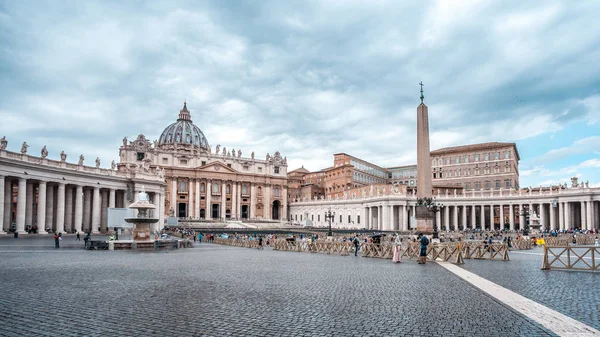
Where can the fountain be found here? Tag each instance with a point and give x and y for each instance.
(141, 224)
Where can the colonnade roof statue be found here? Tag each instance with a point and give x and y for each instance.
(184, 132)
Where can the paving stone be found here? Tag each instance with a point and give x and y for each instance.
(225, 291)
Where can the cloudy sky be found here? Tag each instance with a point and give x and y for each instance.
(307, 78)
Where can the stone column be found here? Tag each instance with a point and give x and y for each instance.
(104, 211)
(511, 214)
(447, 218)
(464, 217)
(482, 219)
(521, 218)
(111, 198)
(543, 224)
(561, 216)
(588, 208)
(21, 201)
(406, 218)
(41, 215)
(552, 218)
(223, 200)
(78, 223)
(239, 200)
(366, 217)
(583, 222)
(234, 200)
(161, 212)
(60, 208)
(96, 217)
(455, 218)
(567, 210)
(197, 196)
(501, 216)
(50, 207)
(268, 204)
(492, 217)
(156, 202)
(8, 191)
(191, 199)
(473, 217)
(2, 209)
(252, 201)
(87, 202)
(29, 204)
(174, 197)
(69, 209)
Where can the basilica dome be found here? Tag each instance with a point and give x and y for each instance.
(183, 132)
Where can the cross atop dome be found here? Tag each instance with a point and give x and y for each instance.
(184, 114)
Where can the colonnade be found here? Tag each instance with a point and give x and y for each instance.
(60, 206)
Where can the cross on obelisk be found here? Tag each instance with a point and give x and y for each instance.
(422, 97)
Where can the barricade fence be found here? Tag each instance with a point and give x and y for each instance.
(571, 258)
(454, 252)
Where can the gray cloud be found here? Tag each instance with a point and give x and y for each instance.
(308, 79)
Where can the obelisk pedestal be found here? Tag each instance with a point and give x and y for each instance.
(424, 217)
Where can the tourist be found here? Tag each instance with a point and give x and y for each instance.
(356, 243)
(260, 242)
(56, 241)
(78, 237)
(424, 243)
(397, 249)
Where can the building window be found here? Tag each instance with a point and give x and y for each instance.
(276, 191)
(228, 189)
(358, 219)
(215, 188)
(457, 160)
(486, 157)
(318, 217)
(466, 159)
(276, 169)
(349, 219)
(203, 162)
(165, 160)
(246, 167)
(507, 183)
(259, 190)
(140, 156)
(244, 189)
(498, 185)
(183, 161)
(182, 186)
(476, 157)
(497, 155)
(467, 186)
(506, 155)
(477, 186)
(340, 219)
(202, 187)
(312, 217)
(296, 216)
(228, 165)
(487, 186)
(447, 161)
(259, 169)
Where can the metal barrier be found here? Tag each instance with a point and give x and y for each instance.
(571, 258)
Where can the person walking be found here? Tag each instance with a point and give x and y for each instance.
(260, 242)
(424, 243)
(56, 241)
(356, 243)
(78, 238)
(397, 249)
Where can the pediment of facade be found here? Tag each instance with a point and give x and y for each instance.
(215, 167)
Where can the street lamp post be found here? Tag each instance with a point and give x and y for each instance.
(434, 207)
(329, 216)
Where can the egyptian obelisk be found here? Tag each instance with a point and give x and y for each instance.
(424, 217)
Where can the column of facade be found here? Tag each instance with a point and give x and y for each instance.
(223, 200)
(161, 210)
(405, 219)
(473, 217)
(588, 218)
(501, 216)
(447, 218)
(68, 209)
(7, 205)
(267, 202)
(104, 211)
(29, 204)
(239, 200)
(455, 218)
(21, 203)
(542, 210)
(552, 218)
(111, 198)
(191, 208)
(174, 197)
(492, 217)
(252, 201)
(208, 211)
(465, 222)
(50, 207)
(568, 223)
(96, 218)
(561, 216)
(583, 222)
(511, 214)
(2, 209)
(60, 208)
(521, 218)
(87, 202)
(156, 202)
(285, 204)
(197, 197)
(78, 222)
(366, 217)
(234, 200)
(482, 217)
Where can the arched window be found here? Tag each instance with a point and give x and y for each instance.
(215, 188)
(181, 186)
(228, 189)
(202, 187)
(276, 191)
(259, 190)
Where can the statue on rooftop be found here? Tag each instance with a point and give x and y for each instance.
(252, 155)
(24, 148)
(63, 156)
(81, 158)
(217, 148)
(3, 143)
(44, 152)
(125, 141)
(239, 153)
(224, 151)
(113, 165)
(97, 162)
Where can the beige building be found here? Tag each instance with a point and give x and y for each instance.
(207, 184)
(486, 166)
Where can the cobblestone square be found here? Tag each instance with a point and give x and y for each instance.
(215, 290)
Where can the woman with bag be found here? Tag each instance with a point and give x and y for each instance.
(397, 249)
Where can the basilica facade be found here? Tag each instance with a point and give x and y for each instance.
(209, 184)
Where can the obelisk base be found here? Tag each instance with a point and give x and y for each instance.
(425, 219)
